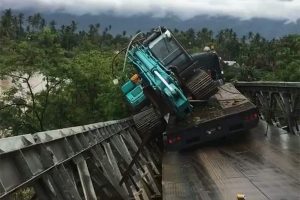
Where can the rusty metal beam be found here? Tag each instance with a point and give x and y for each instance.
(278, 102)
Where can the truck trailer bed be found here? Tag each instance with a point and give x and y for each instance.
(227, 101)
(254, 164)
(227, 112)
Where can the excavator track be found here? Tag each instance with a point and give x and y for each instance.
(148, 121)
(201, 85)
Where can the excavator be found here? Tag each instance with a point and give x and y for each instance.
(183, 93)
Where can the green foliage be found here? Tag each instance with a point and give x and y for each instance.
(90, 89)
(287, 72)
(22, 62)
(24, 194)
(75, 69)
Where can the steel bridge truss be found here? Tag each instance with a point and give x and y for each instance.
(89, 162)
(85, 162)
(278, 102)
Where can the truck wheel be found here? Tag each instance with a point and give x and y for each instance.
(201, 85)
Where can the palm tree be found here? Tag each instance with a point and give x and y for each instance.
(73, 26)
(20, 24)
(7, 24)
(52, 25)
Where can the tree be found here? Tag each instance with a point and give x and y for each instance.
(52, 25)
(8, 26)
(204, 38)
(24, 61)
(20, 30)
(91, 78)
(75, 69)
(228, 44)
(69, 37)
(89, 95)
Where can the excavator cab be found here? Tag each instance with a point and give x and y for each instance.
(192, 72)
(170, 52)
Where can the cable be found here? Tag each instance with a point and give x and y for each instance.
(124, 65)
(114, 58)
(113, 61)
(232, 99)
(198, 101)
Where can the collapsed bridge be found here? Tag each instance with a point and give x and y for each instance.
(91, 161)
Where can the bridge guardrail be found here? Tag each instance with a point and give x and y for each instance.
(84, 162)
(88, 162)
(278, 102)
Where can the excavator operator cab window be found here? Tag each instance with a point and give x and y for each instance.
(166, 49)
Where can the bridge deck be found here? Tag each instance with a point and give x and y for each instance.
(259, 166)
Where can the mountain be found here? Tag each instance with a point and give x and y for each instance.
(266, 27)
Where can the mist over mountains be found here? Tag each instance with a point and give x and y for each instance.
(266, 27)
(270, 18)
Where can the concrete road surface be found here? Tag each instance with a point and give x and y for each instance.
(258, 166)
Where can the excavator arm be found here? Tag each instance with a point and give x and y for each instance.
(154, 75)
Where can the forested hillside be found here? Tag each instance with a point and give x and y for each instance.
(266, 27)
(77, 72)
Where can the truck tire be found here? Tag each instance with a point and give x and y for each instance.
(201, 85)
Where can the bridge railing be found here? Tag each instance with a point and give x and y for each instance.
(88, 162)
(278, 102)
(84, 162)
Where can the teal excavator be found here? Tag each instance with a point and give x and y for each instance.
(185, 92)
(155, 82)
(181, 95)
(167, 76)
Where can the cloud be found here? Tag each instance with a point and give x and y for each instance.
(288, 10)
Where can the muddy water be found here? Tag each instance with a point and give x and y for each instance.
(36, 82)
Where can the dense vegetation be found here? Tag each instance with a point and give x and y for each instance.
(76, 69)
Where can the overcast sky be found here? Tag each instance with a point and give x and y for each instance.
(244, 9)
